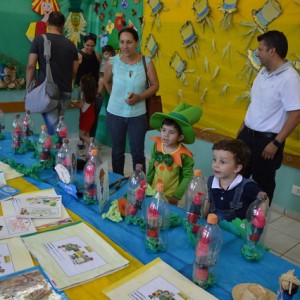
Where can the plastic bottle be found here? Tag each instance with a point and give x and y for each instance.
(27, 125)
(195, 196)
(44, 144)
(136, 193)
(89, 174)
(208, 246)
(157, 221)
(89, 148)
(65, 163)
(61, 132)
(256, 222)
(16, 133)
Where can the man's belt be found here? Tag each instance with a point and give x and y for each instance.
(267, 135)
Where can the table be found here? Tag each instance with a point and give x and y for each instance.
(231, 268)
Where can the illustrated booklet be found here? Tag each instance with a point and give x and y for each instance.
(9, 208)
(29, 284)
(156, 280)
(73, 254)
(14, 257)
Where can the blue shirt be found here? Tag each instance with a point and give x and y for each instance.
(127, 79)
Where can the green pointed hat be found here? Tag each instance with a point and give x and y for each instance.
(184, 115)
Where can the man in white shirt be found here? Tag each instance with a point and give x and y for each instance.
(274, 110)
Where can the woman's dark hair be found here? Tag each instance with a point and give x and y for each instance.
(171, 122)
(88, 87)
(275, 39)
(90, 36)
(129, 30)
(241, 152)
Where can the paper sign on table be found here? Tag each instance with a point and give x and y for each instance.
(156, 280)
(73, 254)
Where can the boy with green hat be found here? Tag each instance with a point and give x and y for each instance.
(171, 162)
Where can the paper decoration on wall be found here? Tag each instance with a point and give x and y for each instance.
(124, 4)
(228, 8)
(224, 89)
(202, 11)
(197, 84)
(206, 65)
(103, 39)
(110, 26)
(42, 7)
(296, 63)
(215, 74)
(96, 7)
(262, 18)
(203, 96)
(213, 46)
(156, 7)
(179, 65)
(130, 24)
(152, 46)
(120, 21)
(104, 5)
(75, 25)
(251, 67)
(189, 39)
(180, 96)
(226, 52)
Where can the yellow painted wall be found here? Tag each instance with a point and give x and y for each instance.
(223, 113)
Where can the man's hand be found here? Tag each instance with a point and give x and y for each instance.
(269, 151)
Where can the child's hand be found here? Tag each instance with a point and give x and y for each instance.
(173, 200)
(77, 103)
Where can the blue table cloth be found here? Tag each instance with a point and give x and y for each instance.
(231, 268)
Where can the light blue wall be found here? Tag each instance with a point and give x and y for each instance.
(283, 201)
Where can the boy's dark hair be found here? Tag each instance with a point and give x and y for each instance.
(56, 18)
(171, 122)
(108, 48)
(238, 148)
(275, 39)
(88, 87)
(129, 30)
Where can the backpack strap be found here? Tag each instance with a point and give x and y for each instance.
(235, 203)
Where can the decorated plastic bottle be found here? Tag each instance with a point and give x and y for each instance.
(256, 221)
(136, 193)
(89, 174)
(16, 133)
(195, 196)
(2, 122)
(44, 145)
(157, 221)
(65, 163)
(90, 147)
(61, 132)
(208, 246)
(27, 125)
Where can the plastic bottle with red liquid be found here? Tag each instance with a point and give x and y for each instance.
(61, 132)
(195, 196)
(89, 176)
(44, 145)
(27, 125)
(256, 223)
(208, 246)
(90, 147)
(157, 221)
(16, 134)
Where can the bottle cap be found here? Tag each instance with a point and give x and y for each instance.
(212, 219)
(43, 127)
(94, 152)
(61, 118)
(197, 172)
(159, 187)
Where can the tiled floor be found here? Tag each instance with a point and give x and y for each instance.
(282, 235)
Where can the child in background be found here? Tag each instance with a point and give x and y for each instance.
(107, 52)
(86, 103)
(229, 194)
(171, 162)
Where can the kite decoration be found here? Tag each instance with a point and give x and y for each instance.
(228, 8)
(202, 11)
(189, 39)
(262, 17)
(156, 8)
(179, 66)
(75, 25)
(152, 46)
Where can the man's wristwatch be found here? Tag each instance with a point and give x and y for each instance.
(276, 143)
